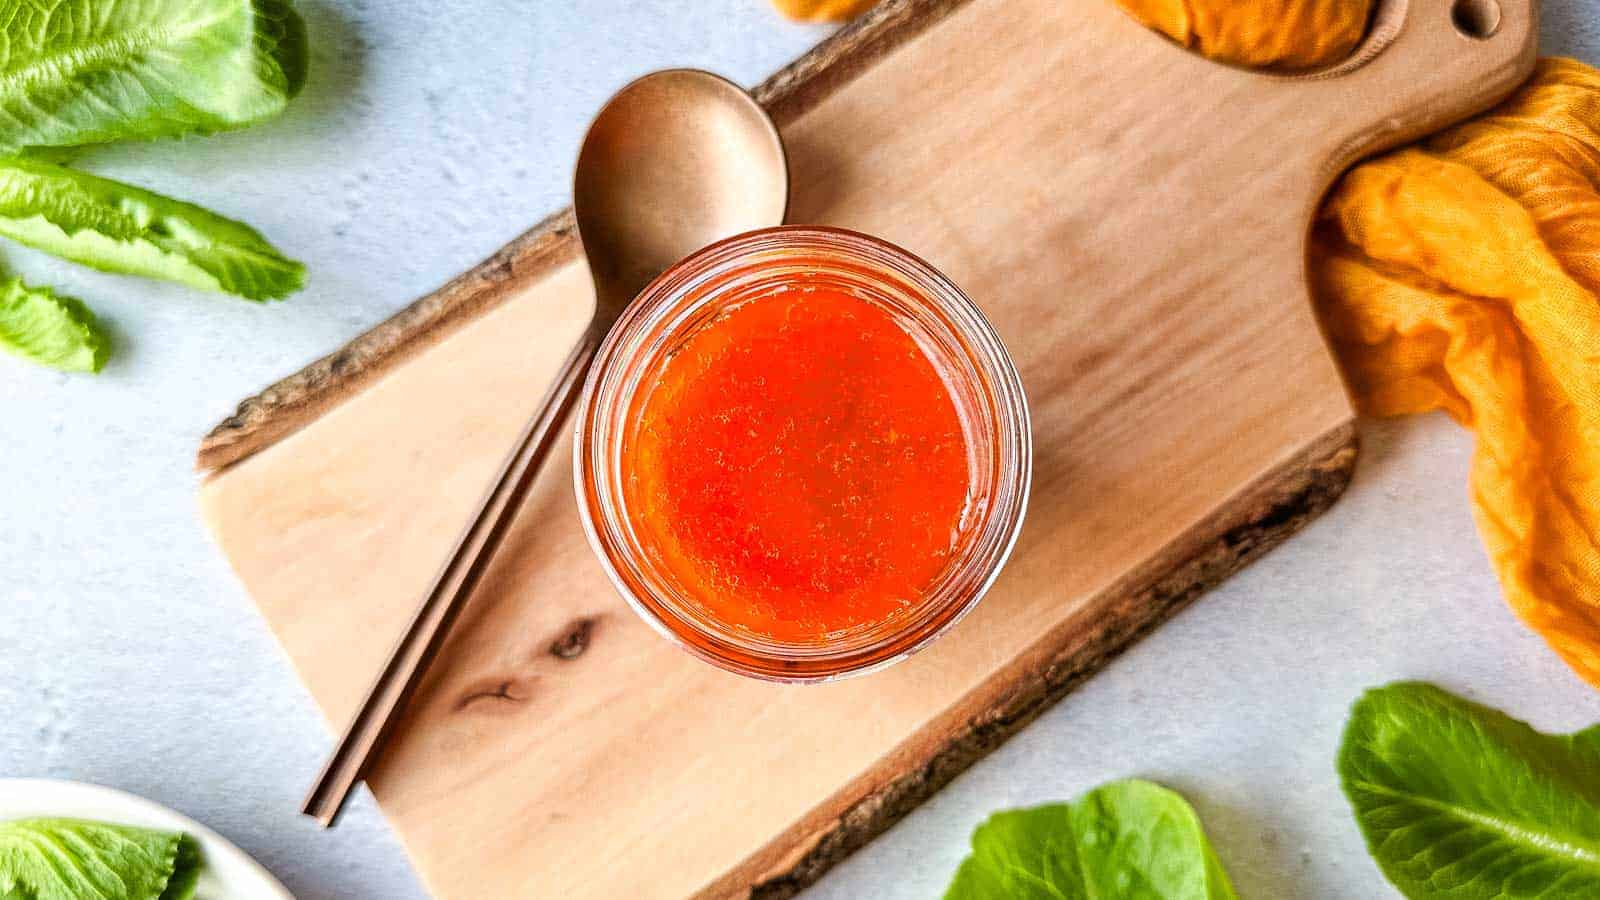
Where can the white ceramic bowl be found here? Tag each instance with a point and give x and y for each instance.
(228, 872)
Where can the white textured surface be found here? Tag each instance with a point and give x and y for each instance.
(129, 656)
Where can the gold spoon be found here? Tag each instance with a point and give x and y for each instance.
(676, 160)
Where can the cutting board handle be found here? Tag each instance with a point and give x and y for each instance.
(1425, 64)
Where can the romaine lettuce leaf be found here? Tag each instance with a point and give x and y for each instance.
(1132, 840)
(1460, 801)
(116, 227)
(74, 859)
(88, 71)
(60, 332)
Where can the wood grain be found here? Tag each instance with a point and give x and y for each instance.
(1131, 218)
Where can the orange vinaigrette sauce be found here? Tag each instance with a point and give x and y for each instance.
(798, 465)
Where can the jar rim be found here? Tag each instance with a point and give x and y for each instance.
(667, 308)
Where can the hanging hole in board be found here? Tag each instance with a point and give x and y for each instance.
(1476, 18)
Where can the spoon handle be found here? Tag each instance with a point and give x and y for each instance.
(375, 719)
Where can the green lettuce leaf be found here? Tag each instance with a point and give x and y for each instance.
(60, 332)
(1460, 801)
(1132, 840)
(116, 227)
(75, 859)
(88, 71)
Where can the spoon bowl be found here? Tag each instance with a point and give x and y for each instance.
(677, 160)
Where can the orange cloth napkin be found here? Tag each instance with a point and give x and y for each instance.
(823, 10)
(1463, 274)
(1287, 34)
(1460, 274)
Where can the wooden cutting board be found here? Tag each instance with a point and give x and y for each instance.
(1130, 216)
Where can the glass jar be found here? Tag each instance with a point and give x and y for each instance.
(947, 326)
